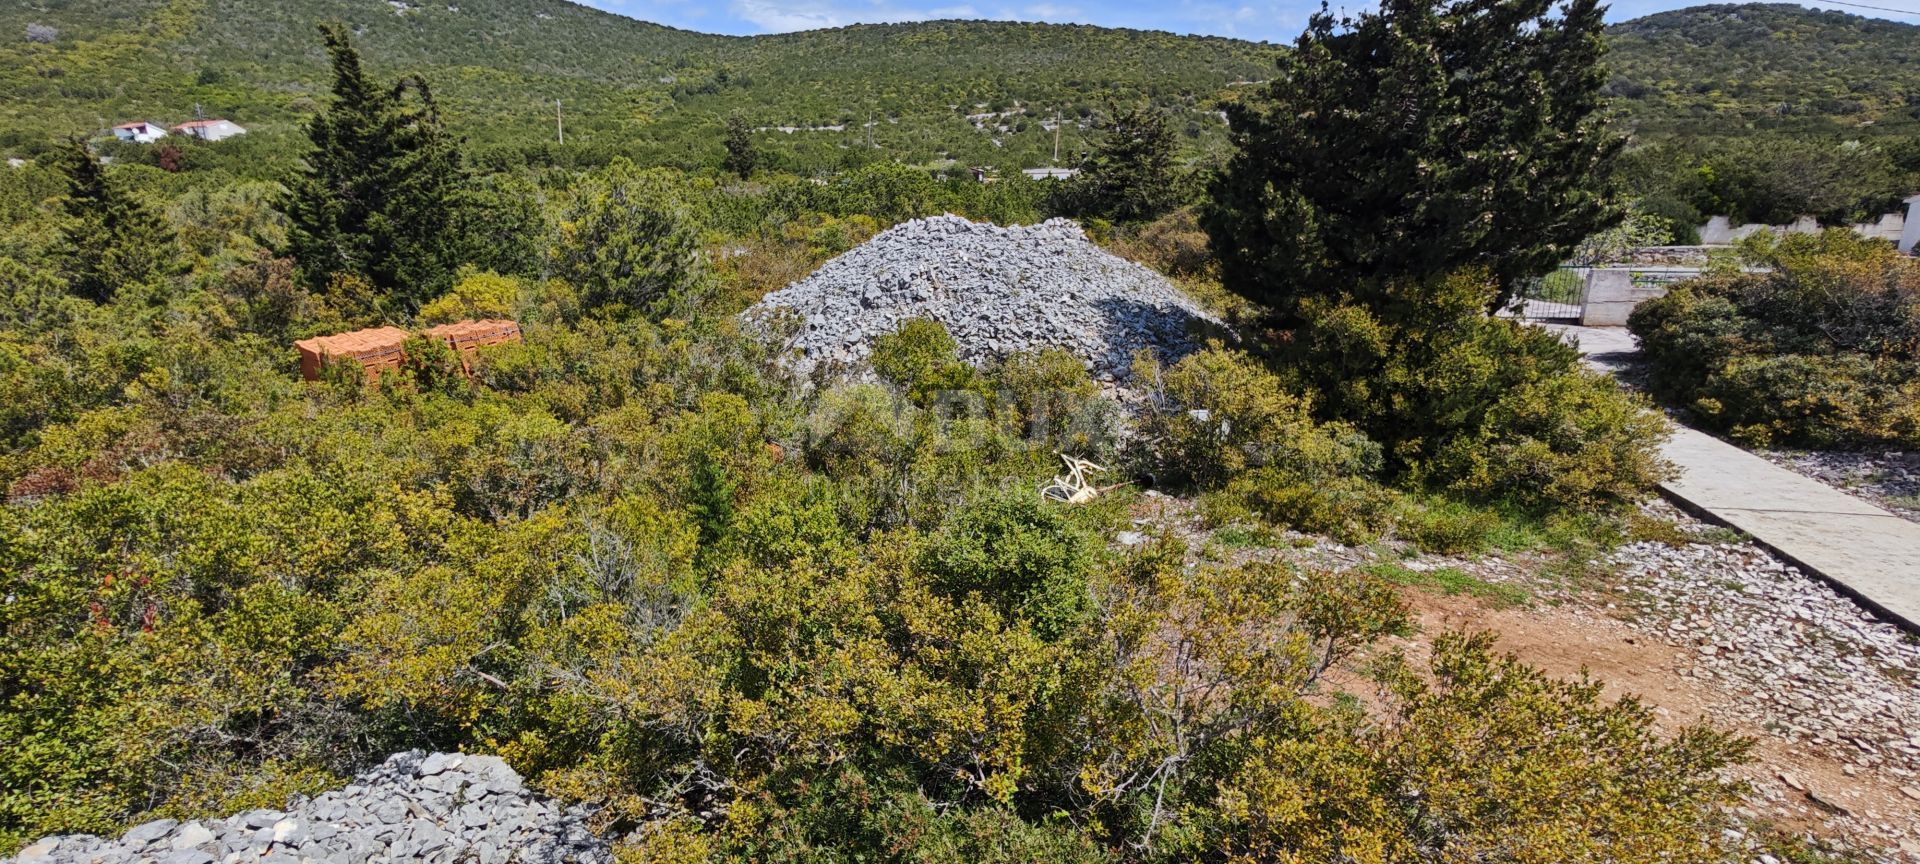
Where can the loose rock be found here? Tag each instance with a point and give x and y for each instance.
(414, 807)
(996, 290)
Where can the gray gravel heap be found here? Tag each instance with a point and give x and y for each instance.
(440, 808)
(997, 290)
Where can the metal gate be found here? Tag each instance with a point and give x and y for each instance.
(1558, 296)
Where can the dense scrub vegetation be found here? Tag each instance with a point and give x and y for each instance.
(1734, 69)
(1380, 236)
(917, 93)
(980, 93)
(1821, 350)
(752, 618)
(1774, 181)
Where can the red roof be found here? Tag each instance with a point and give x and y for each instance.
(137, 123)
(195, 124)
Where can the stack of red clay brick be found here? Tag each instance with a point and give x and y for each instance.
(381, 348)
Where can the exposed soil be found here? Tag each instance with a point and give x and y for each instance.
(1704, 629)
(1795, 784)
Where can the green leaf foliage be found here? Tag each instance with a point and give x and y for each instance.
(1821, 350)
(109, 239)
(376, 195)
(1413, 141)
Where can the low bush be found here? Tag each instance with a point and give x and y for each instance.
(1217, 413)
(1476, 406)
(1451, 528)
(1350, 509)
(1822, 350)
(1173, 244)
(923, 359)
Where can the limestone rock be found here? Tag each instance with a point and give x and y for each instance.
(415, 807)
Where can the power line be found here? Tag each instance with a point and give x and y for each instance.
(1876, 8)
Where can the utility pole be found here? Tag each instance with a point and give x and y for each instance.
(196, 111)
(1056, 138)
(559, 125)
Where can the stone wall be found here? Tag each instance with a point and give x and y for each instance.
(1900, 228)
(1611, 295)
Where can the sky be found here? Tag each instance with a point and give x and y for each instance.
(1271, 20)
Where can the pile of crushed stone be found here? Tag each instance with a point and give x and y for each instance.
(997, 290)
(442, 807)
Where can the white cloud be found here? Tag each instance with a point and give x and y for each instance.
(778, 16)
(1052, 12)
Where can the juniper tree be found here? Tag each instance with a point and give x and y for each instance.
(742, 157)
(1430, 136)
(1132, 174)
(377, 195)
(629, 242)
(109, 239)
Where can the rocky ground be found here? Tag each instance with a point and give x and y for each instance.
(997, 291)
(1832, 693)
(1706, 628)
(416, 807)
(1890, 479)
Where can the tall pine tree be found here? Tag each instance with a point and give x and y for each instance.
(1133, 174)
(742, 156)
(109, 241)
(377, 196)
(1431, 136)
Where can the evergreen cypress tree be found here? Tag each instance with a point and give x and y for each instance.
(110, 240)
(742, 157)
(1429, 137)
(378, 195)
(1132, 175)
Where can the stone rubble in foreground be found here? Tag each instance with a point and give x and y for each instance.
(996, 290)
(415, 807)
(1805, 666)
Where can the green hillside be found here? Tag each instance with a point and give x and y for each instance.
(1730, 68)
(974, 92)
(625, 85)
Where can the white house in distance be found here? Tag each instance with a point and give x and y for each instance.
(1050, 173)
(210, 130)
(140, 132)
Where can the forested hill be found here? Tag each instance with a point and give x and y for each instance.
(975, 92)
(1721, 68)
(652, 91)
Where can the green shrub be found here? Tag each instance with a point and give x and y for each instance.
(1822, 350)
(922, 359)
(1173, 244)
(629, 242)
(475, 294)
(1483, 407)
(1512, 765)
(1056, 402)
(1451, 527)
(1218, 413)
(1020, 555)
(1352, 509)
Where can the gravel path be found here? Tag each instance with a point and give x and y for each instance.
(1830, 684)
(1889, 479)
